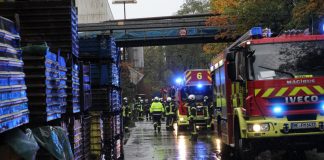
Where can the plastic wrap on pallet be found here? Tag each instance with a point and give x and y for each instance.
(13, 98)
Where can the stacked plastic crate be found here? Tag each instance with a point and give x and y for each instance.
(76, 136)
(13, 100)
(86, 97)
(95, 134)
(73, 89)
(86, 127)
(62, 84)
(43, 83)
(102, 53)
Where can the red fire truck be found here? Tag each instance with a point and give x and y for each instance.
(269, 92)
(197, 82)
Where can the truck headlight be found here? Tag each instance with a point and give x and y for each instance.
(258, 127)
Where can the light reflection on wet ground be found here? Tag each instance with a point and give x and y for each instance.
(145, 144)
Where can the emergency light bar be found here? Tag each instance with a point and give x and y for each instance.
(255, 32)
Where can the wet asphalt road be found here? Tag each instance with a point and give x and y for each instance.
(142, 143)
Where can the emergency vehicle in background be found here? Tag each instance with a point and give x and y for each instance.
(269, 93)
(199, 83)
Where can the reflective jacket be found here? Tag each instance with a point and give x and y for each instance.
(156, 108)
(170, 108)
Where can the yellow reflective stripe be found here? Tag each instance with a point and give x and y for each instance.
(267, 92)
(297, 89)
(188, 74)
(188, 79)
(233, 86)
(256, 92)
(281, 91)
(319, 89)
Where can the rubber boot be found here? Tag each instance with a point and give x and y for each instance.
(155, 125)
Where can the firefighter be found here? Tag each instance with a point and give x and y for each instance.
(126, 113)
(170, 109)
(192, 113)
(163, 104)
(140, 110)
(147, 109)
(210, 110)
(156, 111)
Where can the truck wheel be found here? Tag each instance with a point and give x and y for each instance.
(242, 150)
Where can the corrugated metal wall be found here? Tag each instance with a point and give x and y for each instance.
(93, 11)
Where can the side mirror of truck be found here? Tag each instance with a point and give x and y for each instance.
(231, 71)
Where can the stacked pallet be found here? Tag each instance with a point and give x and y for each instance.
(46, 88)
(73, 89)
(86, 127)
(13, 100)
(76, 136)
(102, 54)
(54, 22)
(86, 97)
(95, 135)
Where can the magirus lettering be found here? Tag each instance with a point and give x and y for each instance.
(301, 99)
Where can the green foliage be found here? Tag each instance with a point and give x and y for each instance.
(195, 7)
(278, 15)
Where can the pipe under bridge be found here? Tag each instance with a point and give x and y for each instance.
(169, 30)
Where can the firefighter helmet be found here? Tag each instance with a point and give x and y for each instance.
(125, 98)
(206, 97)
(191, 97)
(169, 99)
(156, 99)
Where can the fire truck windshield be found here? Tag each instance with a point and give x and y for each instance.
(287, 60)
(198, 92)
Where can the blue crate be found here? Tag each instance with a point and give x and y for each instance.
(8, 25)
(101, 46)
(10, 95)
(10, 52)
(12, 40)
(53, 116)
(11, 65)
(12, 79)
(5, 110)
(14, 121)
(61, 61)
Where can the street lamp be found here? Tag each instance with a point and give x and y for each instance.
(124, 2)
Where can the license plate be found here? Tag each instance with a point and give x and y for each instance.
(303, 125)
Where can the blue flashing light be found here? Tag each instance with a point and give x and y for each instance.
(277, 110)
(179, 80)
(322, 27)
(256, 31)
(322, 106)
(199, 85)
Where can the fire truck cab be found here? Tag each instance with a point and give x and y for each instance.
(269, 92)
(198, 83)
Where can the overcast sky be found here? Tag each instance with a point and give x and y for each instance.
(146, 8)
